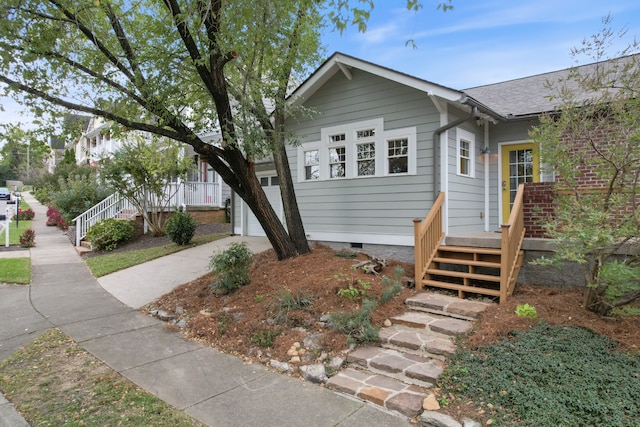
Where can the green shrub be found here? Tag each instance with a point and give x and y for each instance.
(231, 268)
(108, 234)
(180, 227)
(288, 301)
(526, 310)
(392, 286)
(264, 338)
(77, 195)
(356, 324)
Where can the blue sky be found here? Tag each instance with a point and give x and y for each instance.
(479, 42)
(482, 41)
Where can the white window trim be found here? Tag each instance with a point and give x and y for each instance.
(350, 143)
(463, 135)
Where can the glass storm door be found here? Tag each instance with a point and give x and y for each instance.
(520, 163)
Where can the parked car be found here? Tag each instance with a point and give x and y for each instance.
(5, 194)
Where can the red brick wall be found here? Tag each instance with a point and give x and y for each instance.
(537, 205)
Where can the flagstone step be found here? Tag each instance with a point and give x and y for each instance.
(433, 322)
(447, 305)
(420, 342)
(379, 390)
(408, 368)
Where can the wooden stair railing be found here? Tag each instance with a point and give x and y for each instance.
(512, 238)
(427, 234)
(484, 271)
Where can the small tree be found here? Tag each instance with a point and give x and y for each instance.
(143, 171)
(593, 146)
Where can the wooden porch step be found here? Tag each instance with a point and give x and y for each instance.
(460, 287)
(462, 275)
(470, 250)
(459, 261)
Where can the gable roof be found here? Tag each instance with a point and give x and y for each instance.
(340, 62)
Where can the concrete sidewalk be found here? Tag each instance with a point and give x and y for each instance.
(214, 388)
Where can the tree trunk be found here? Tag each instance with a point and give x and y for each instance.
(593, 301)
(289, 202)
(257, 201)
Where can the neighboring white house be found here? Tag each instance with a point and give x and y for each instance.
(203, 186)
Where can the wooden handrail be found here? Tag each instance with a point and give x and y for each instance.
(512, 237)
(427, 236)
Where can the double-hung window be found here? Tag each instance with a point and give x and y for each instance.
(464, 155)
(337, 156)
(366, 152)
(311, 165)
(398, 155)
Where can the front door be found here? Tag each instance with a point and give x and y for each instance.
(520, 163)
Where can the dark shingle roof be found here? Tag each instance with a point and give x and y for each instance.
(530, 95)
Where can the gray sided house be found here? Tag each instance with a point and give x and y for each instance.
(381, 146)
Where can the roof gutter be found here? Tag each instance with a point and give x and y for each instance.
(444, 128)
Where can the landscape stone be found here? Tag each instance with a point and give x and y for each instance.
(336, 363)
(437, 419)
(281, 366)
(374, 395)
(182, 323)
(430, 403)
(468, 422)
(390, 363)
(408, 404)
(344, 384)
(165, 315)
(424, 372)
(314, 373)
(313, 341)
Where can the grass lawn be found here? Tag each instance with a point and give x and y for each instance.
(54, 382)
(105, 264)
(15, 270)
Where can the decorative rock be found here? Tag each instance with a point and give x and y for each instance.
(292, 352)
(430, 403)
(468, 422)
(314, 373)
(179, 310)
(296, 345)
(182, 323)
(408, 404)
(153, 312)
(325, 318)
(387, 323)
(165, 315)
(295, 359)
(436, 419)
(313, 341)
(336, 363)
(281, 366)
(302, 351)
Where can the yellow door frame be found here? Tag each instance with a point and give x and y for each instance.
(507, 186)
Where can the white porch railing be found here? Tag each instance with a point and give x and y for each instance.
(111, 207)
(115, 206)
(196, 194)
